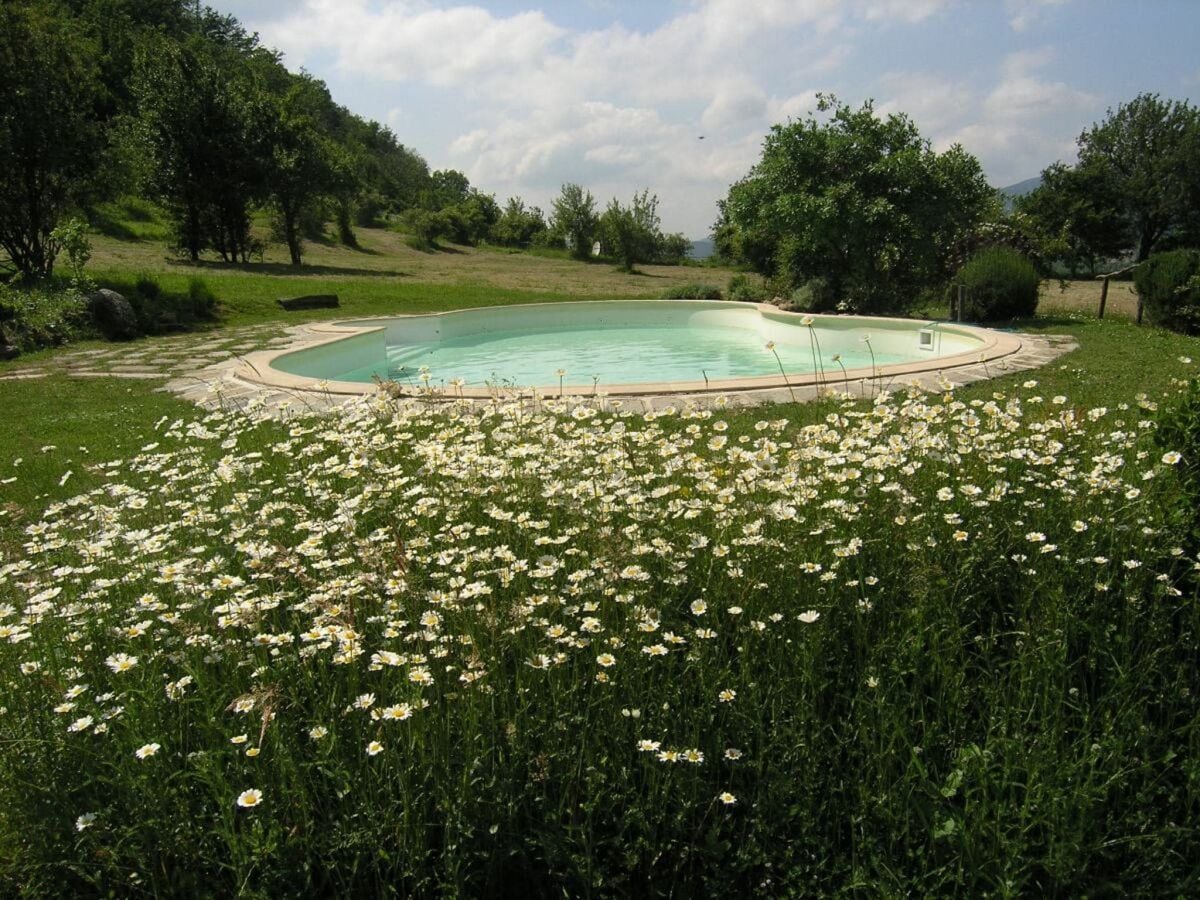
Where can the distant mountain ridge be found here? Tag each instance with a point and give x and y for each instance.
(1020, 189)
(702, 248)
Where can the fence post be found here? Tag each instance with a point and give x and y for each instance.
(1103, 297)
(1141, 309)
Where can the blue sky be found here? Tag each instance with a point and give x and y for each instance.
(615, 95)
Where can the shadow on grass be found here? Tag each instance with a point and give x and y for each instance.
(284, 269)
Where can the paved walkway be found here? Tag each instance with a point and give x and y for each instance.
(201, 368)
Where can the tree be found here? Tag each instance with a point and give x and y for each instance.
(1149, 152)
(631, 233)
(518, 226)
(673, 248)
(387, 177)
(470, 220)
(303, 162)
(860, 201)
(574, 219)
(49, 135)
(199, 133)
(447, 187)
(1074, 213)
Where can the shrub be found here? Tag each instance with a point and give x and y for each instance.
(743, 289)
(203, 300)
(1000, 284)
(423, 228)
(815, 295)
(41, 316)
(692, 291)
(1169, 286)
(158, 310)
(147, 288)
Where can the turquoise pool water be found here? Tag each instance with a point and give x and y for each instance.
(616, 343)
(615, 355)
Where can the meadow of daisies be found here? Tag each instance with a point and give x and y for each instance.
(919, 645)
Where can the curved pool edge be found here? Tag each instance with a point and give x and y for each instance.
(256, 368)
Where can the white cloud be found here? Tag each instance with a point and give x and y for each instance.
(736, 104)
(412, 41)
(934, 103)
(617, 109)
(1024, 122)
(1025, 14)
(797, 106)
(904, 10)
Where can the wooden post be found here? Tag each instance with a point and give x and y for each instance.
(1103, 297)
(1141, 309)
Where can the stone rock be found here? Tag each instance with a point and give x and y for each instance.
(311, 301)
(113, 315)
(8, 351)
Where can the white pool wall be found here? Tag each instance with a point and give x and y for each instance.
(336, 358)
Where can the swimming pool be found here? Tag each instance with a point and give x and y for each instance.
(625, 347)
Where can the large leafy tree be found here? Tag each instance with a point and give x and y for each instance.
(49, 135)
(391, 177)
(199, 135)
(1147, 154)
(631, 233)
(447, 187)
(573, 218)
(1076, 216)
(858, 200)
(304, 164)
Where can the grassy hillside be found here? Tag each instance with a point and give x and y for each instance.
(383, 275)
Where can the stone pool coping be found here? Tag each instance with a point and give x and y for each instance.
(256, 368)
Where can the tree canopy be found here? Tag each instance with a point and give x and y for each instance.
(179, 103)
(49, 132)
(574, 219)
(631, 233)
(1136, 186)
(860, 201)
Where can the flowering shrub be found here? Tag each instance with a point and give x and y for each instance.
(926, 645)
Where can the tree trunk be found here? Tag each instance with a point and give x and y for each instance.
(345, 228)
(291, 233)
(192, 237)
(1145, 242)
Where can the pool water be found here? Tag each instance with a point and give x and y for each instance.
(615, 355)
(620, 343)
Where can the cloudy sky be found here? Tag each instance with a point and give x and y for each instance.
(676, 95)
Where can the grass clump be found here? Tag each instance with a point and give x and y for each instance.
(934, 645)
(692, 291)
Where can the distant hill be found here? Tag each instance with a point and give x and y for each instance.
(1020, 189)
(702, 248)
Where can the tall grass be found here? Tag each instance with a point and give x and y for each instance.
(922, 646)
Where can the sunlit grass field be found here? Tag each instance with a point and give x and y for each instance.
(384, 276)
(928, 645)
